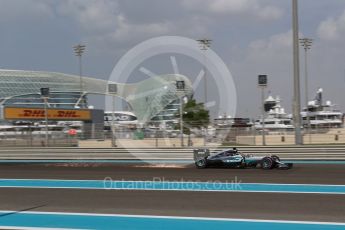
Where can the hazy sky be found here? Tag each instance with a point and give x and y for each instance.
(251, 36)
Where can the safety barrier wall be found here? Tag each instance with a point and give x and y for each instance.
(328, 153)
(151, 137)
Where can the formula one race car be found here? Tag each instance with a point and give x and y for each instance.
(233, 159)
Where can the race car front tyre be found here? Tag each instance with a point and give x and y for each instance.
(201, 163)
(267, 163)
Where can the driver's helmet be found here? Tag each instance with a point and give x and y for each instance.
(235, 150)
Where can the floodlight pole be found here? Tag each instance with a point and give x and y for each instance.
(205, 43)
(45, 95)
(180, 87)
(46, 119)
(112, 90)
(181, 121)
(262, 82)
(113, 136)
(297, 96)
(306, 44)
(263, 114)
(79, 50)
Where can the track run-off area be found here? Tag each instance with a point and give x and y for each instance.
(53, 220)
(156, 184)
(161, 194)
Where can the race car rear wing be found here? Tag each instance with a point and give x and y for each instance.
(201, 153)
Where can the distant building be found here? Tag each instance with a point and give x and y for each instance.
(149, 99)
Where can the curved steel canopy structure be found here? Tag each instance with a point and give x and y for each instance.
(147, 98)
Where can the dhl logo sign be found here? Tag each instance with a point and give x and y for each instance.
(41, 113)
(53, 114)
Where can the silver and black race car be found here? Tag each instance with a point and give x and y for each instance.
(232, 158)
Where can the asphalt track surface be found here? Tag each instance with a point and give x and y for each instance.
(300, 173)
(279, 206)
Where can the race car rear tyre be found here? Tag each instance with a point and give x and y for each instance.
(267, 163)
(201, 163)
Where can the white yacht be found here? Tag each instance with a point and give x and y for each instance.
(223, 122)
(276, 118)
(321, 115)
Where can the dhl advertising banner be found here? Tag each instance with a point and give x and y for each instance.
(39, 114)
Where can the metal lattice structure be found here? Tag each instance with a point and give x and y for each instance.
(147, 98)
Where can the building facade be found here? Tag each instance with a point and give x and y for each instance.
(147, 98)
